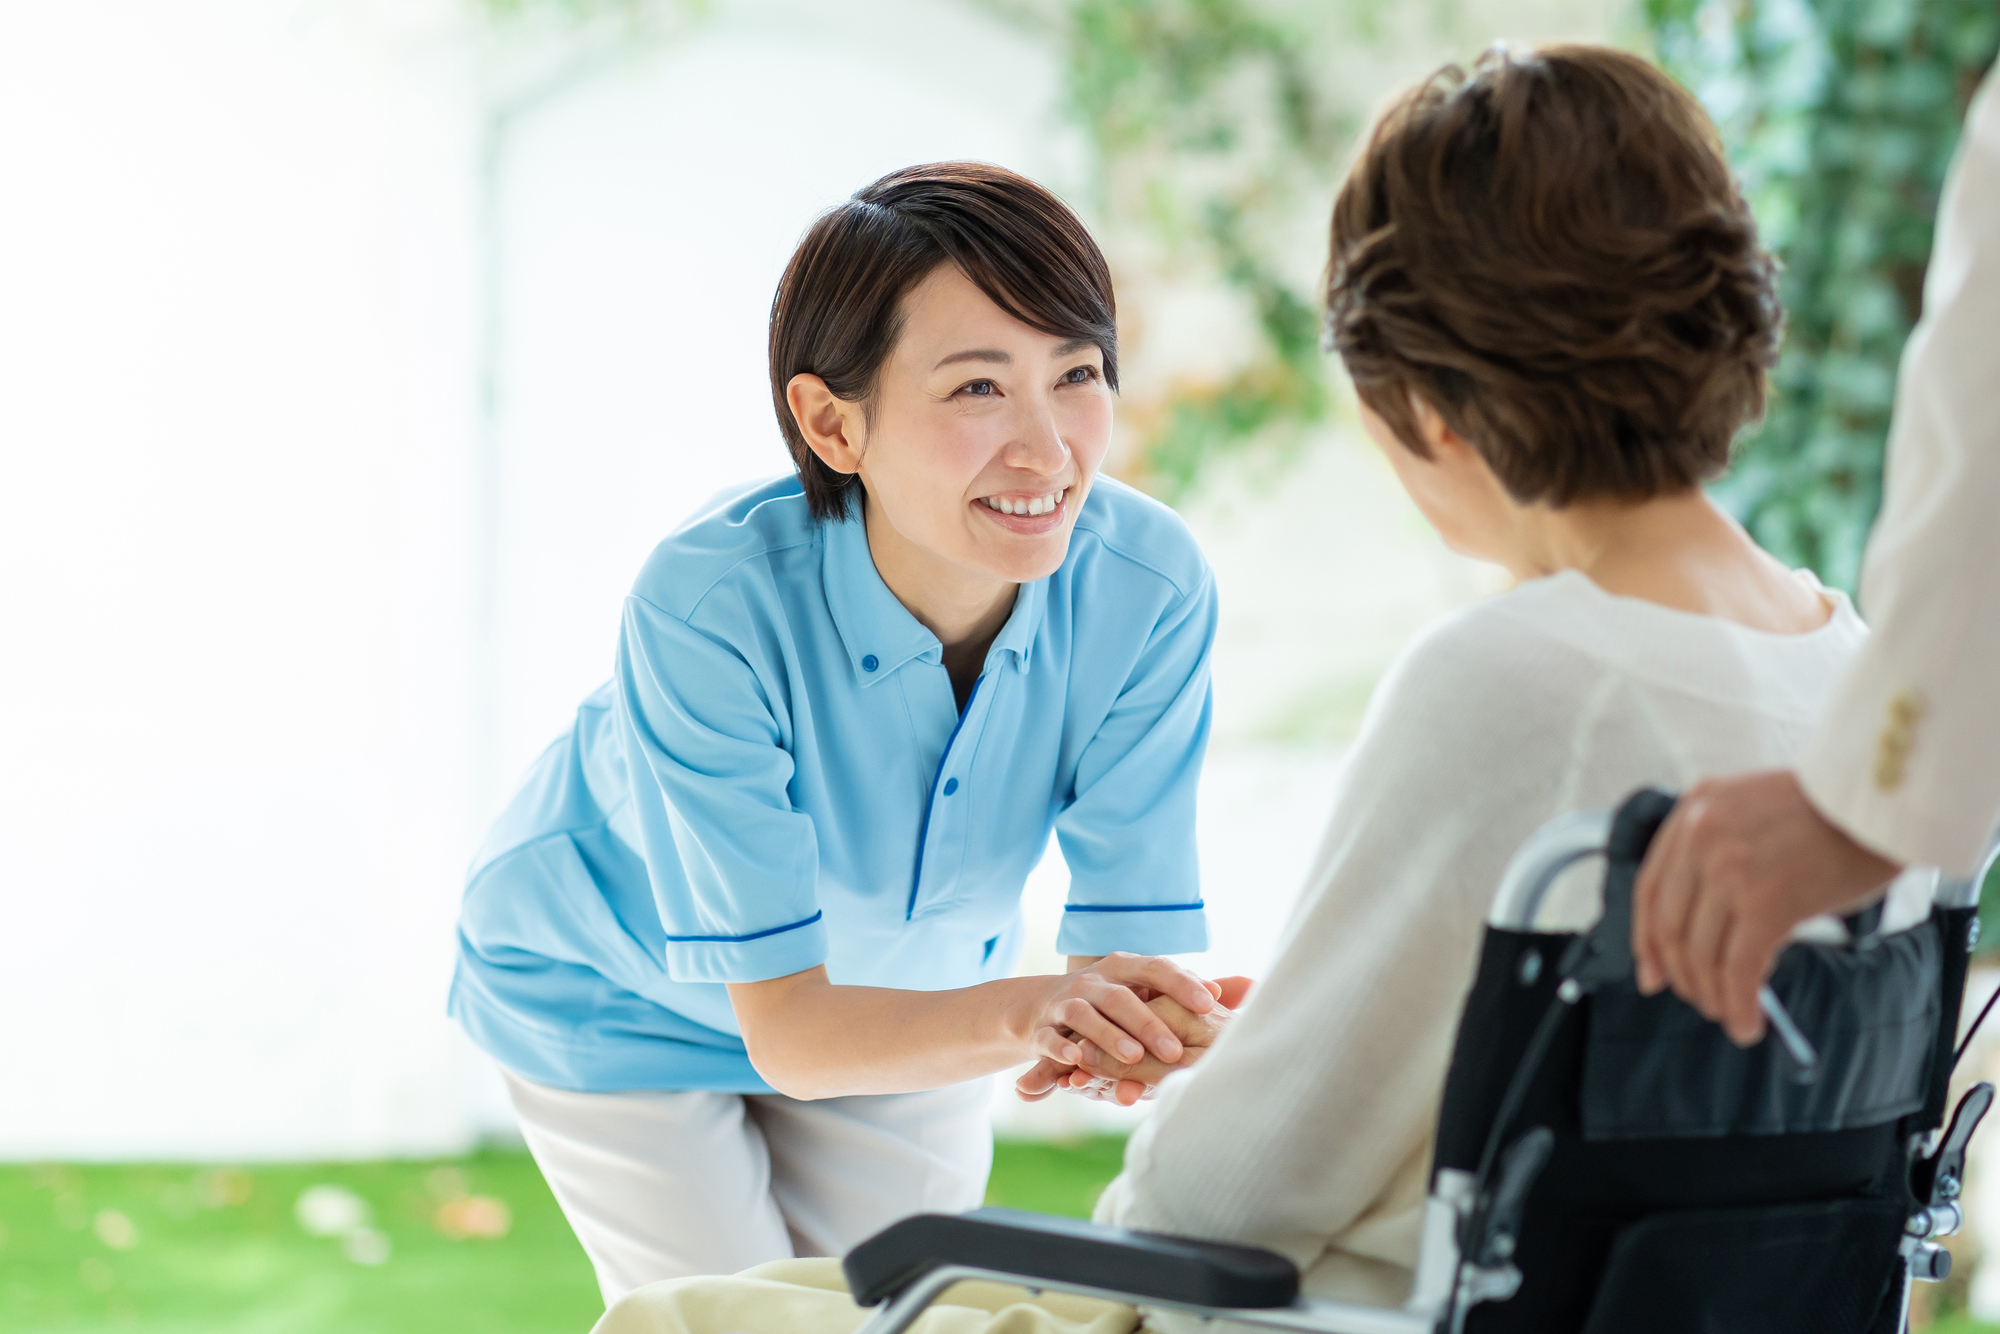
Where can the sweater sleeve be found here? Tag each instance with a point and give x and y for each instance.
(1304, 1118)
(1907, 758)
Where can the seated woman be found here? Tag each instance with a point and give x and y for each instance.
(1551, 299)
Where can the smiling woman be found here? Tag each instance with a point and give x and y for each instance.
(978, 472)
(742, 939)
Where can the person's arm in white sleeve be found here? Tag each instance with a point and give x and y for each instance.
(1907, 759)
(1313, 1112)
(1905, 766)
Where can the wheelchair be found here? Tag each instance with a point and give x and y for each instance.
(1605, 1163)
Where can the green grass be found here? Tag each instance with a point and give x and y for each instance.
(220, 1251)
(186, 1250)
(1064, 1178)
(1961, 1323)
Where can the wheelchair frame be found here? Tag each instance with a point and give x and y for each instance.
(1448, 1284)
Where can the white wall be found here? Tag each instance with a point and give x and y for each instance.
(233, 567)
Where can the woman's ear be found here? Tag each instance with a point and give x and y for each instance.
(1443, 442)
(835, 428)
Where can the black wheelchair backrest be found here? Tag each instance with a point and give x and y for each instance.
(1688, 1184)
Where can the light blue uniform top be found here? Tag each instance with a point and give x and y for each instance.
(778, 776)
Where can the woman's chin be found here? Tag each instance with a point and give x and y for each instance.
(1022, 560)
(1020, 548)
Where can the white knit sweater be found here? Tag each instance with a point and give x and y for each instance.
(1308, 1127)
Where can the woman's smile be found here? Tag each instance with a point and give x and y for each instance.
(1028, 513)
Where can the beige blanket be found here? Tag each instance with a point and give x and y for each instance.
(810, 1297)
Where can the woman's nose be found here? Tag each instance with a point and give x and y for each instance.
(1038, 445)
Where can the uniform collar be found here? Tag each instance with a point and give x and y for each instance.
(875, 627)
(1017, 637)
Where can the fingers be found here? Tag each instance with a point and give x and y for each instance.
(1123, 1031)
(1151, 1070)
(1163, 975)
(1648, 962)
(1124, 1092)
(1130, 1006)
(1708, 925)
(1040, 1080)
(1142, 1022)
(1231, 991)
(1186, 1028)
(1676, 888)
(1055, 1044)
(1748, 956)
(1193, 1030)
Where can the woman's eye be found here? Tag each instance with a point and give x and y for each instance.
(979, 388)
(1080, 375)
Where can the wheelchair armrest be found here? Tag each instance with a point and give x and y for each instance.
(1147, 1266)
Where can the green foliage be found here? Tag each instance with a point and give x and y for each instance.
(1208, 130)
(1841, 116)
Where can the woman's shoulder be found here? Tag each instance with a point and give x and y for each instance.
(1477, 719)
(1124, 532)
(1484, 658)
(1667, 652)
(1534, 655)
(730, 536)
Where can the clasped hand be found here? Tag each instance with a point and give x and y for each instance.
(1075, 1056)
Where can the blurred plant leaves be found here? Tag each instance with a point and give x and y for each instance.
(1841, 117)
(1210, 129)
(1217, 140)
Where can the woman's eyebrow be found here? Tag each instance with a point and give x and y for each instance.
(1000, 358)
(991, 354)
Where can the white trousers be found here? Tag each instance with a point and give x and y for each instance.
(671, 1184)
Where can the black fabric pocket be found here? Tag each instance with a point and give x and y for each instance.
(1810, 1268)
(1653, 1068)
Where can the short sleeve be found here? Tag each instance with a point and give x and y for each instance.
(733, 865)
(1128, 832)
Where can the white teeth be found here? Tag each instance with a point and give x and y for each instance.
(1026, 508)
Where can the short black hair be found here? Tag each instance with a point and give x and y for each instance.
(839, 307)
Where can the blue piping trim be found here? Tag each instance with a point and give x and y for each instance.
(738, 940)
(924, 830)
(1134, 907)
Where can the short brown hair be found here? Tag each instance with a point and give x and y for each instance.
(1551, 252)
(839, 307)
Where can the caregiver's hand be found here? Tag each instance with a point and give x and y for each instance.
(1739, 863)
(1104, 1002)
(1096, 1075)
(811, 1038)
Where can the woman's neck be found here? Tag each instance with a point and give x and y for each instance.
(964, 608)
(1678, 551)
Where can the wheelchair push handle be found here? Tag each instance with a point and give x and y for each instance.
(1604, 953)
